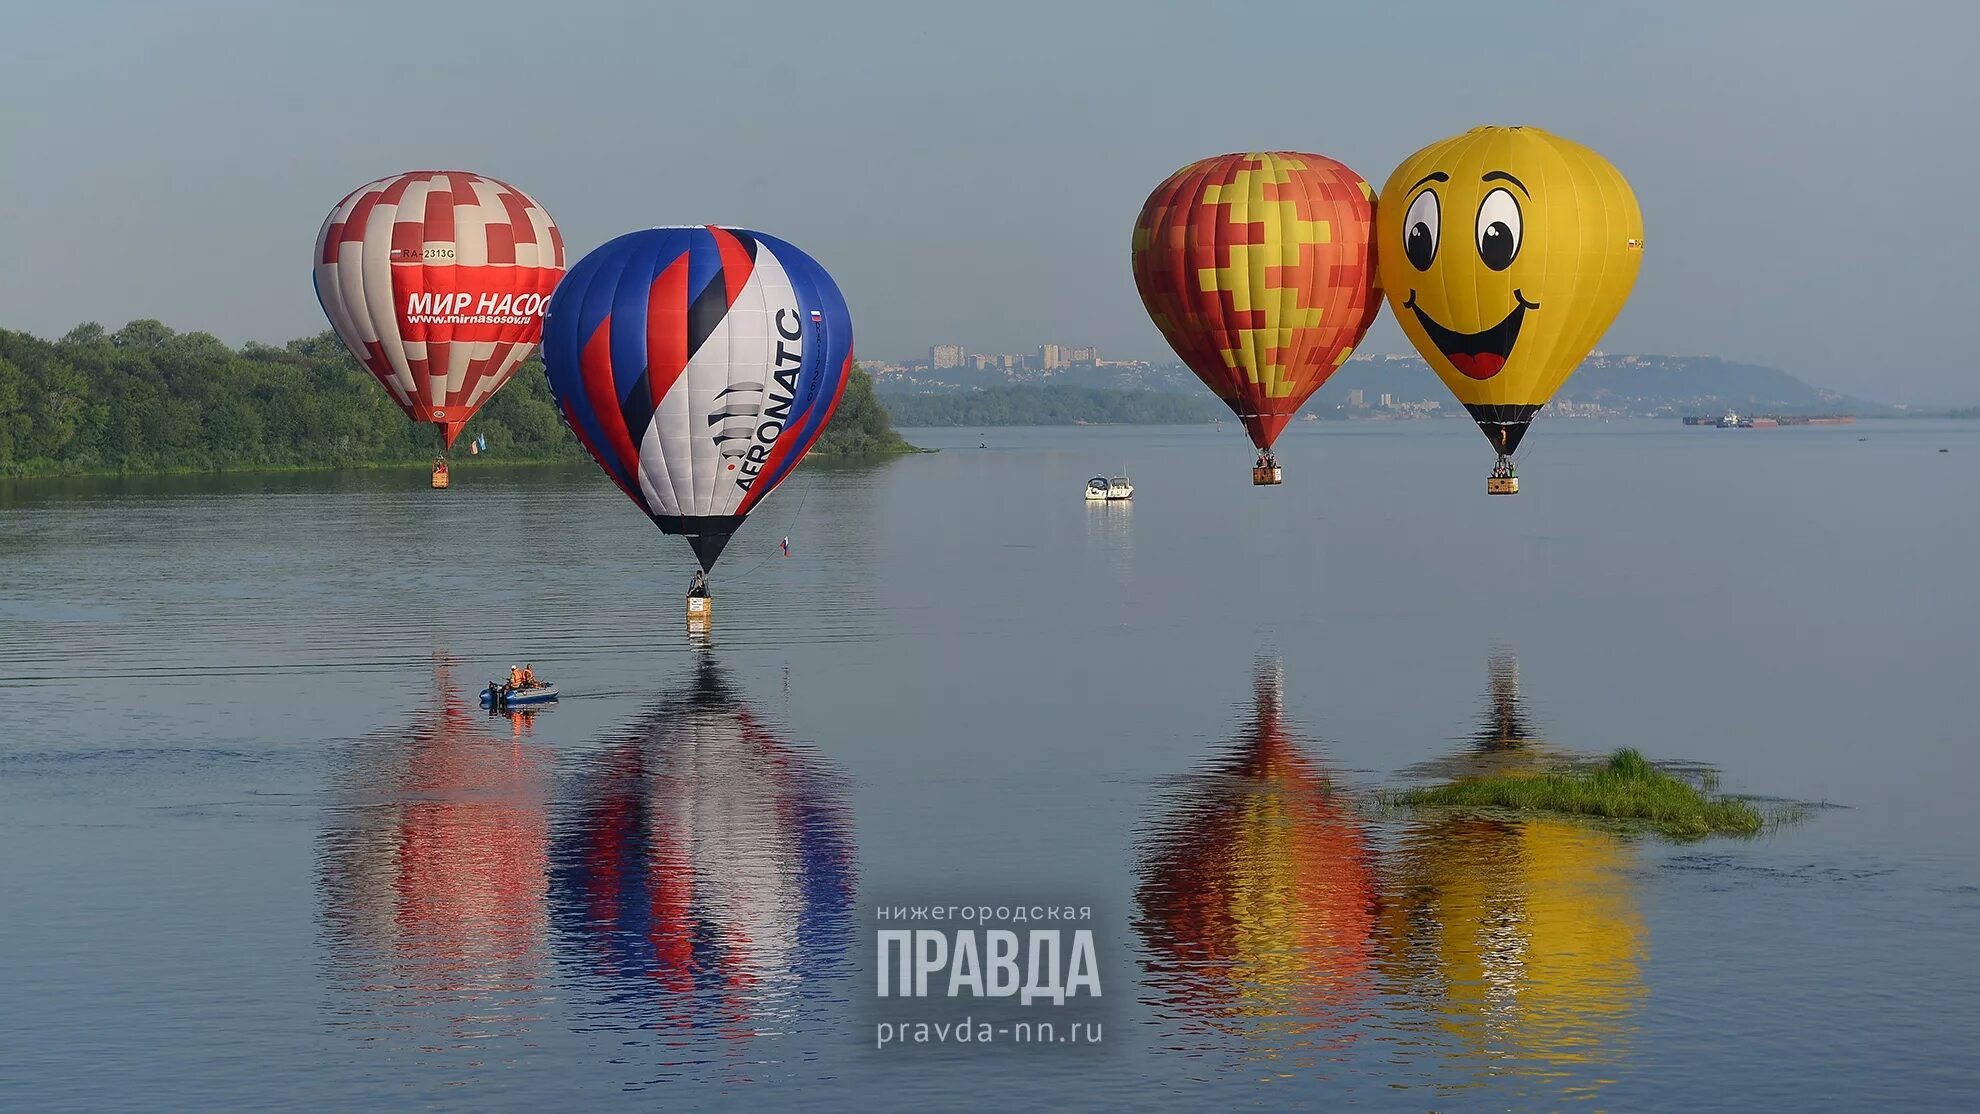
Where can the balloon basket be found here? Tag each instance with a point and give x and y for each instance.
(1264, 475)
(700, 614)
(440, 480)
(1502, 485)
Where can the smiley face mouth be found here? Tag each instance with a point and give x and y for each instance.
(1475, 355)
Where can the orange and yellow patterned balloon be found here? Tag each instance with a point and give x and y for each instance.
(1258, 269)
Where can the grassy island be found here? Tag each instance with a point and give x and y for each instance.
(1625, 788)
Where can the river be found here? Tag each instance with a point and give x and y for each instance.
(261, 849)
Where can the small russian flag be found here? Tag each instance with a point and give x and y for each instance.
(787, 547)
(817, 316)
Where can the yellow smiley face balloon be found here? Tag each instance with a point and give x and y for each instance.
(1505, 254)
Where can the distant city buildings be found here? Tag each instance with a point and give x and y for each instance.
(1050, 357)
(1357, 399)
(1567, 409)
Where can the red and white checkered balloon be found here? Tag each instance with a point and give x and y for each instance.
(436, 280)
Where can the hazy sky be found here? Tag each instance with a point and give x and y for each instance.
(970, 173)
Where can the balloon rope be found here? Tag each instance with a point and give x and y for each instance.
(753, 569)
(1524, 453)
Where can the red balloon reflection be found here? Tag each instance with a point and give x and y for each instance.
(433, 871)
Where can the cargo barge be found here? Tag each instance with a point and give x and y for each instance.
(1770, 420)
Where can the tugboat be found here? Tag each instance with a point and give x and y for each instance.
(1101, 489)
(1732, 420)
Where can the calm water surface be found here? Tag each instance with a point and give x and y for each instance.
(261, 848)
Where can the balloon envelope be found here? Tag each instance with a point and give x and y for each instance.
(436, 281)
(697, 365)
(1258, 270)
(1506, 253)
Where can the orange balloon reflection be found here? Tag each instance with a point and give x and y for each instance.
(1257, 894)
(432, 873)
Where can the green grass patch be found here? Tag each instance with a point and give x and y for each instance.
(1625, 788)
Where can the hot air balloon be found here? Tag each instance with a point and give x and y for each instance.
(1260, 271)
(436, 281)
(1505, 253)
(697, 365)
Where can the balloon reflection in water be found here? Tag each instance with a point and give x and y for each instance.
(1504, 725)
(432, 870)
(1519, 937)
(1257, 895)
(1504, 738)
(706, 875)
(522, 721)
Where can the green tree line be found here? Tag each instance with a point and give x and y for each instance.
(1053, 404)
(147, 399)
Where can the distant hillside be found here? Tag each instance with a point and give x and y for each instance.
(1638, 385)
(1642, 385)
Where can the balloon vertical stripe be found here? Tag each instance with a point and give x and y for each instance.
(602, 393)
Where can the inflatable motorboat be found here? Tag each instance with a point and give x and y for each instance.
(502, 696)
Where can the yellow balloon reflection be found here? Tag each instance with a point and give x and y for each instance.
(1520, 937)
(432, 870)
(1257, 895)
(1505, 725)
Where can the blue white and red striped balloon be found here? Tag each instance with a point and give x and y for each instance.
(697, 365)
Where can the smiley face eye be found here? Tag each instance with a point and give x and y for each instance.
(1498, 229)
(1420, 230)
